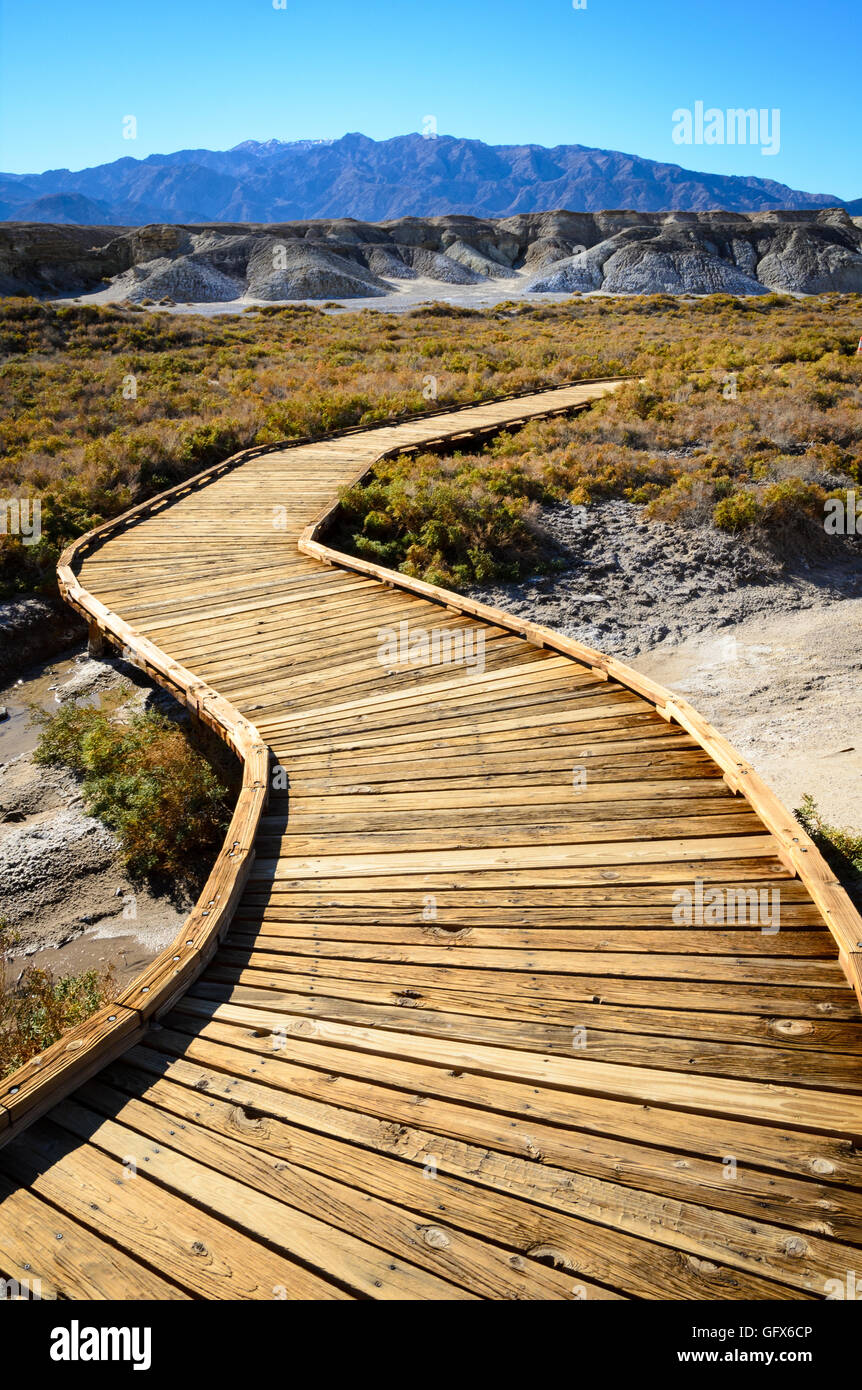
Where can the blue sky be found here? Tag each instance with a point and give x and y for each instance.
(213, 72)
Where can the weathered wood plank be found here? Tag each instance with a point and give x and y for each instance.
(458, 873)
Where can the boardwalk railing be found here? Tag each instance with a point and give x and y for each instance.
(29, 1092)
(32, 1089)
(84, 1049)
(795, 849)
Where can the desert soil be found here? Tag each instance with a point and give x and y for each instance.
(63, 889)
(771, 656)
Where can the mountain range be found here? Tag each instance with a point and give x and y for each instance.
(354, 176)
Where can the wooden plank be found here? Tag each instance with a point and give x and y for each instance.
(638, 964)
(70, 1259)
(312, 1242)
(205, 1255)
(560, 1218)
(667, 1018)
(384, 1220)
(769, 1061)
(818, 1111)
(552, 913)
(178, 1084)
(531, 1120)
(407, 983)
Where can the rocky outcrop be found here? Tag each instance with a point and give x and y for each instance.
(293, 270)
(185, 280)
(549, 253)
(36, 258)
(642, 261)
(435, 265)
(387, 262)
(810, 261)
(482, 264)
(717, 254)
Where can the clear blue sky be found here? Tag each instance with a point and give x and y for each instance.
(209, 73)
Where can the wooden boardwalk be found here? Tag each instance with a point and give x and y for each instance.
(458, 1041)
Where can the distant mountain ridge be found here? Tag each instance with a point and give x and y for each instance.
(355, 176)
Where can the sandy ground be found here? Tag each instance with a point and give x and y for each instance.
(771, 655)
(406, 295)
(786, 690)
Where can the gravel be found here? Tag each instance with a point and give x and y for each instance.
(629, 584)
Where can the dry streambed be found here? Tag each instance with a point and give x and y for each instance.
(63, 888)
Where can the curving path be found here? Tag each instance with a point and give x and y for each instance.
(456, 1043)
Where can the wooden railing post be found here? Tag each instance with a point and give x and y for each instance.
(97, 646)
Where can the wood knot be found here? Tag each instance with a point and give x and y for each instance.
(821, 1165)
(791, 1027)
(551, 1255)
(433, 1236)
(246, 1123)
(795, 1247)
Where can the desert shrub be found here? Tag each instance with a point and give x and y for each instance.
(209, 444)
(842, 849)
(207, 387)
(781, 512)
(722, 486)
(461, 520)
(792, 506)
(39, 1008)
(145, 781)
(737, 512)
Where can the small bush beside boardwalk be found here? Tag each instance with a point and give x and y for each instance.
(143, 777)
(144, 780)
(38, 1008)
(840, 846)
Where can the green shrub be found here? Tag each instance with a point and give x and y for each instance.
(842, 849)
(38, 1009)
(456, 521)
(145, 781)
(787, 502)
(738, 512)
(209, 444)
